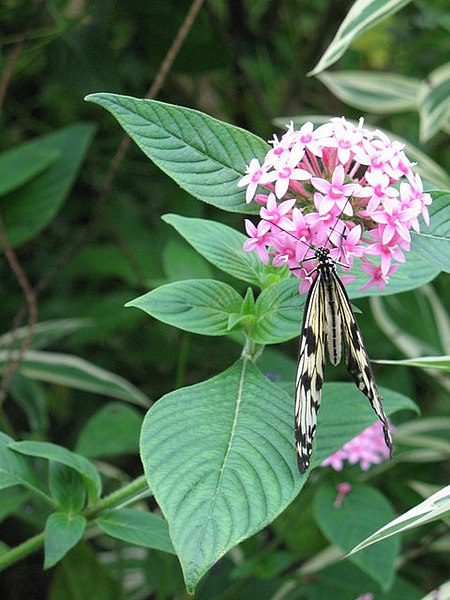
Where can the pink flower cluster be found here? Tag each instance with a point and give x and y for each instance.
(368, 448)
(340, 186)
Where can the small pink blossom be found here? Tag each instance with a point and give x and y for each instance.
(258, 239)
(368, 448)
(340, 186)
(275, 213)
(378, 278)
(343, 489)
(255, 175)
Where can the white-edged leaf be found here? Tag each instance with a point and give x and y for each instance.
(378, 93)
(363, 15)
(424, 362)
(434, 102)
(44, 333)
(435, 507)
(74, 372)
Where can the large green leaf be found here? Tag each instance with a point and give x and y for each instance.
(199, 305)
(206, 157)
(363, 15)
(62, 532)
(363, 507)
(28, 209)
(65, 457)
(221, 245)
(433, 242)
(378, 93)
(138, 528)
(434, 102)
(74, 372)
(219, 457)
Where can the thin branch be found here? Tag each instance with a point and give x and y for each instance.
(30, 298)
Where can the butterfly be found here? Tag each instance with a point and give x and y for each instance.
(328, 320)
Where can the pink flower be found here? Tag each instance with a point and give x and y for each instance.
(335, 194)
(255, 176)
(276, 213)
(340, 186)
(378, 278)
(368, 448)
(258, 239)
(343, 489)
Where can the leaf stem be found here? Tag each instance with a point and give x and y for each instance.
(135, 490)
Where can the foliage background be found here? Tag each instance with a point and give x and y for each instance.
(242, 62)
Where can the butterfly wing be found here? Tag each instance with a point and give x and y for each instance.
(311, 363)
(357, 359)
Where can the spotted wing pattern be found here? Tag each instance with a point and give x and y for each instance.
(357, 359)
(329, 320)
(311, 364)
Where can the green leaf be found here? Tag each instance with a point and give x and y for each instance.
(219, 457)
(62, 532)
(138, 528)
(64, 456)
(433, 508)
(44, 333)
(339, 400)
(206, 157)
(30, 396)
(21, 164)
(71, 371)
(12, 501)
(111, 431)
(363, 15)
(179, 261)
(66, 487)
(433, 242)
(363, 507)
(413, 273)
(80, 573)
(15, 469)
(424, 362)
(278, 312)
(377, 93)
(198, 305)
(221, 245)
(434, 102)
(27, 210)
(345, 581)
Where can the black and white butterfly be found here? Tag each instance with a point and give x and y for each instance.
(328, 320)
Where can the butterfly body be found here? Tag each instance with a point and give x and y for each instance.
(329, 321)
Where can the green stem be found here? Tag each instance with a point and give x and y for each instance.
(129, 493)
(121, 497)
(20, 551)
